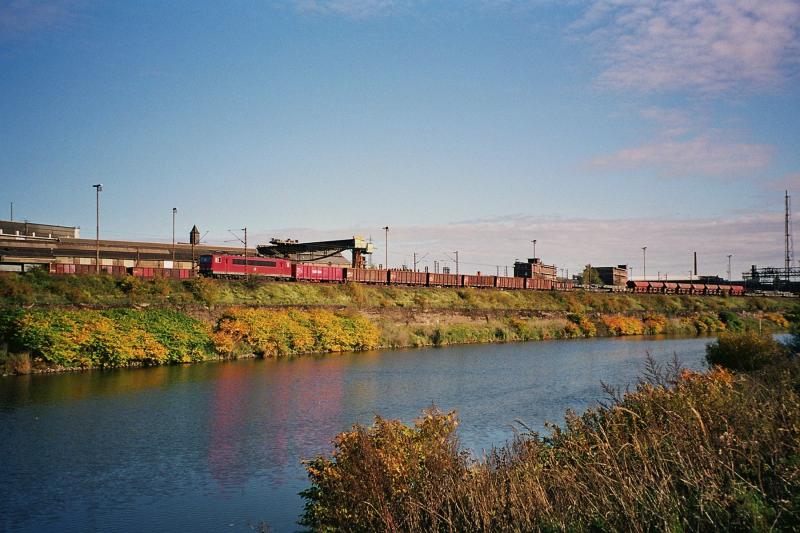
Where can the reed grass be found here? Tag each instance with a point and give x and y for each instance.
(684, 451)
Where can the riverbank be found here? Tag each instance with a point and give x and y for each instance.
(51, 323)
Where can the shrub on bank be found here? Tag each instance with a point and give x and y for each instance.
(87, 338)
(624, 325)
(272, 333)
(744, 351)
(684, 451)
(383, 468)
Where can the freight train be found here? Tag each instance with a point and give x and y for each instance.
(229, 266)
(238, 267)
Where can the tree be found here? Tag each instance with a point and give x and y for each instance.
(590, 276)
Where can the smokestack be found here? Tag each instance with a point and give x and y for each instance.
(695, 263)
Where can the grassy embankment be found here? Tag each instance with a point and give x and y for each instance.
(99, 321)
(684, 451)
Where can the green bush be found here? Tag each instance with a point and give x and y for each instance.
(744, 351)
(731, 320)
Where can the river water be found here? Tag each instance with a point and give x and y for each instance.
(217, 446)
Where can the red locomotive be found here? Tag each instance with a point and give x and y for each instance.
(237, 266)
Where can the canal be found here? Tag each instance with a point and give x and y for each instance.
(217, 447)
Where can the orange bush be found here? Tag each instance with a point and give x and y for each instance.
(624, 325)
(272, 333)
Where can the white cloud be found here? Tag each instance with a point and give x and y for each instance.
(682, 146)
(699, 156)
(752, 238)
(705, 45)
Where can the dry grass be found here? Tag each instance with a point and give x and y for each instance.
(14, 363)
(684, 451)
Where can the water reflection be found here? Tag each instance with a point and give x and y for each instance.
(213, 446)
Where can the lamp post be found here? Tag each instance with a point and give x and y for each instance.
(644, 263)
(386, 247)
(247, 274)
(98, 188)
(729, 267)
(174, 212)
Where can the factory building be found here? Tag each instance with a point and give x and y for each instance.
(613, 275)
(25, 229)
(534, 268)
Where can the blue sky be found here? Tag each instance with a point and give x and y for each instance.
(596, 127)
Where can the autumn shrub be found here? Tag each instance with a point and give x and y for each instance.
(377, 475)
(731, 320)
(744, 351)
(707, 323)
(87, 338)
(684, 451)
(14, 289)
(624, 325)
(357, 294)
(279, 332)
(586, 326)
(205, 290)
(654, 324)
(778, 319)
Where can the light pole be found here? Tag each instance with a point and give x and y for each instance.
(174, 212)
(98, 187)
(534, 248)
(386, 246)
(644, 263)
(247, 275)
(244, 242)
(729, 267)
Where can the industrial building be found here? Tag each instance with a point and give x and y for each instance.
(26, 244)
(9, 228)
(613, 275)
(534, 268)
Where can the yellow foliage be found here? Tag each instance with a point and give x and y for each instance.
(624, 325)
(274, 333)
(654, 323)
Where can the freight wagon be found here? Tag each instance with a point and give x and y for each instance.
(408, 277)
(444, 280)
(168, 273)
(476, 280)
(367, 275)
(68, 268)
(308, 272)
(504, 282)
